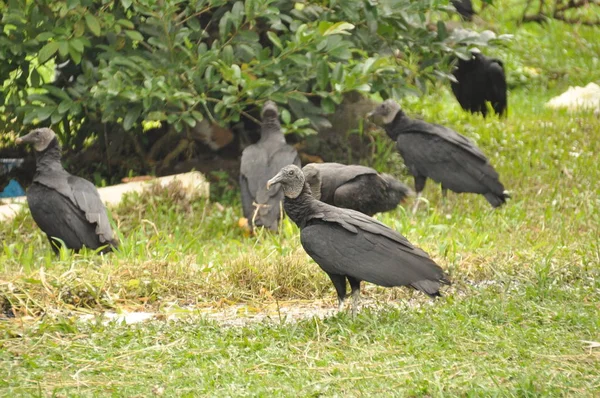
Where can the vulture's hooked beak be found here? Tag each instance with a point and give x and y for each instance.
(26, 139)
(274, 180)
(375, 112)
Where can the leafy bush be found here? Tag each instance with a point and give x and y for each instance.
(123, 63)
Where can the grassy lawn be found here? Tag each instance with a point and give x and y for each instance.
(516, 321)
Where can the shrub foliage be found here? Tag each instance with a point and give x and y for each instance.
(83, 65)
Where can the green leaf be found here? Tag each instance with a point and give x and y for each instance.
(41, 98)
(328, 105)
(300, 60)
(338, 73)
(197, 115)
(340, 28)
(224, 25)
(301, 122)
(35, 78)
(77, 45)
(63, 48)
(134, 35)
(249, 7)
(127, 24)
(72, 4)
(93, 24)
(79, 28)
(285, 116)
(64, 106)
(279, 98)
(248, 52)
(297, 96)
(227, 55)
(126, 3)
(75, 55)
(55, 117)
(190, 121)
(44, 113)
(322, 74)
(57, 92)
(156, 115)
(44, 36)
(275, 40)
(47, 51)
(131, 116)
(237, 14)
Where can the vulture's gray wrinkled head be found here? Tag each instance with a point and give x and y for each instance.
(388, 110)
(269, 110)
(312, 175)
(39, 138)
(291, 179)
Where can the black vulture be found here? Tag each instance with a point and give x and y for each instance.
(260, 162)
(437, 152)
(65, 206)
(350, 245)
(480, 79)
(355, 187)
(464, 8)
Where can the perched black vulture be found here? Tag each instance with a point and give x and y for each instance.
(464, 8)
(260, 162)
(64, 206)
(480, 79)
(351, 245)
(437, 152)
(355, 187)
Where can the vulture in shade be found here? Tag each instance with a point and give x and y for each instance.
(260, 162)
(65, 207)
(355, 187)
(350, 245)
(480, 80)
(464, 8)
(437, 152)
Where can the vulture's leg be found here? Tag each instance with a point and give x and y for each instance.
(419, 186)
(55, 245)
(444, 196)
(339, 282)
(355, 286)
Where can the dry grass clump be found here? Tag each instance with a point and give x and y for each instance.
(291, 276)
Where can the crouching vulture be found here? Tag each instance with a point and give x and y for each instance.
(355, 187)
(437, 152)
(351, 245)
(67, 208)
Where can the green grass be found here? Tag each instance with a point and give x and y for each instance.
(525, 294)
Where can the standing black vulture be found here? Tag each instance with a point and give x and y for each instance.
(64, 206)
(437, 152)
(480, 79)
(464, 9)
(355, 187)
(260, 162)
(351, 245)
